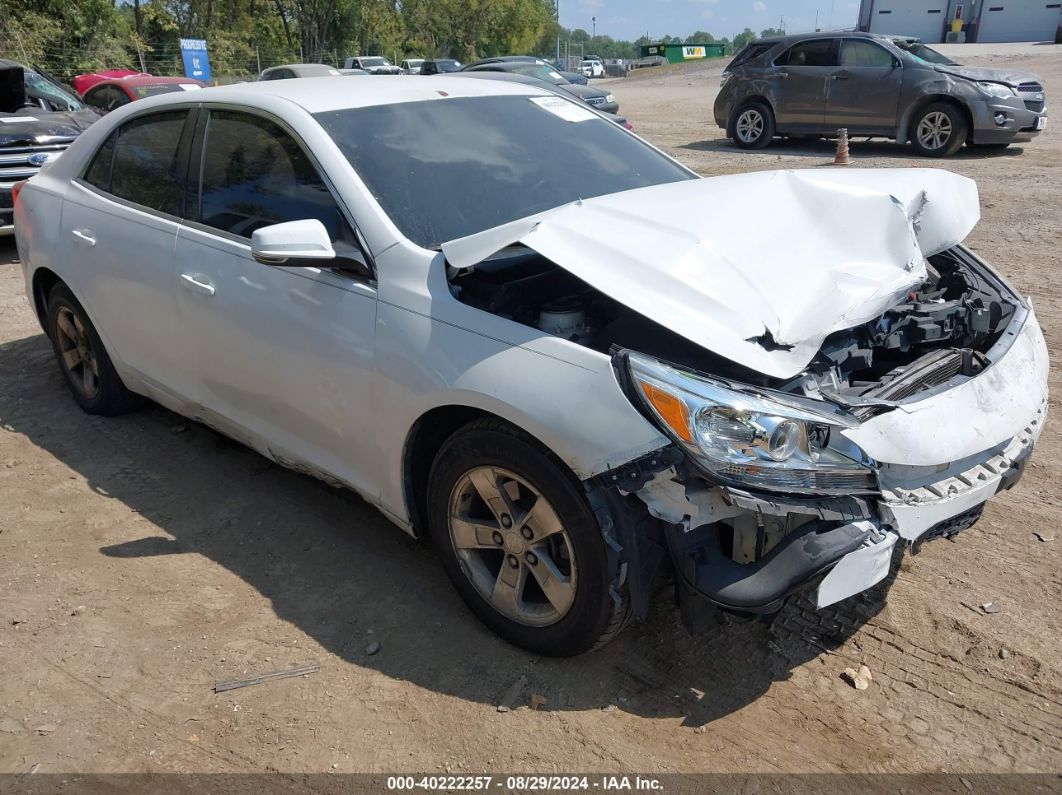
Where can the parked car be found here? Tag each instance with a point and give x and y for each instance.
(438, 66)
(39, 119)
(512, 77)
(113, 92)
(83, 83)
(877, 86)
(292, 70)
(518, 329)
(575, 78)
(601, 100)
(592, 69)
(373, 64)
(411, 66)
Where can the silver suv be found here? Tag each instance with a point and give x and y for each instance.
(887, 86)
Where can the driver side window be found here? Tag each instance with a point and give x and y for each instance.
(856, 53)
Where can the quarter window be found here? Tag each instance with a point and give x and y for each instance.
(139, 162)
(255, 175)
(855, 53)
(818, 52)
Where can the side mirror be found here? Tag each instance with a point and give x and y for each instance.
(294, 240)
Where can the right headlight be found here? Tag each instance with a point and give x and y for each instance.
(997, 90)
(752, 437)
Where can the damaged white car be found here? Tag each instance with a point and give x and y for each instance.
(519, 329)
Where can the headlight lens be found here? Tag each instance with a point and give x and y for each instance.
(753, 437)
(725, 78)
(610, 98)
(997, 90)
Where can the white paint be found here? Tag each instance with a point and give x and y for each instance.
(723, 260)
(858, 570)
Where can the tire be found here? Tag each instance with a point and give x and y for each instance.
(487, 554)
(83, 360)
(753, 125)
(939, 130)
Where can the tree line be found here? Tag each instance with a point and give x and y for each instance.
(68, 37)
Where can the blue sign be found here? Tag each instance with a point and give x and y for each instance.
(196, 62)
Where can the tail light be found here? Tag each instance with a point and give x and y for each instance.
(16, 189)
(628, 125)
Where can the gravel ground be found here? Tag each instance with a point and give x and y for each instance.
(143, 558)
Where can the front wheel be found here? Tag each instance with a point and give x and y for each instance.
(753, 126)
(519, 542)
(940, 130)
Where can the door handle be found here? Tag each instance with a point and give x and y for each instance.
(189, 282)
(839, 77)
(779, 75)
(85, 236)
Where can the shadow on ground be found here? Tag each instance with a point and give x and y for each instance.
(332, 566)
(860, 149)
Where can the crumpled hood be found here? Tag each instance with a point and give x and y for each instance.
(1008, 76)
(32, 126)
(758, 268)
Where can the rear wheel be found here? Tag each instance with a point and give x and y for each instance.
(519, 542)
(83, 360)
(939, 130)
(753, 126)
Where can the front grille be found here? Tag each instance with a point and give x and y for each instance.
(15, 161)
(1035, 107)
(1030, 88)
(596, 100)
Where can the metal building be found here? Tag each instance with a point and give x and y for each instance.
(936, 21)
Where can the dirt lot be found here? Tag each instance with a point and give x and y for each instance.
(143, 558)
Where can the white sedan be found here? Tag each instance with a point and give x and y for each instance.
(579, 369)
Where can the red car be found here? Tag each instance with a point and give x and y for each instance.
(110, 93)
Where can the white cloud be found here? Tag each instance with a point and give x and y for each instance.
(759, 7)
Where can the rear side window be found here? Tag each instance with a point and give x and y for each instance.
(751, 51)
(255, 175)
(139, 162)
(818, 52)
(857, 53)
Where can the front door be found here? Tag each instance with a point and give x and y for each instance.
(283, 356)
(864, 89)
(800, 76)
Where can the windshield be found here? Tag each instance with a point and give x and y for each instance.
(928, 54)
(542, 73)
(448, 66)
(373, 62)
(444, 169)
(161, 88)
(55, 98)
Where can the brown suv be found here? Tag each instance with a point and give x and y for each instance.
(875, 86)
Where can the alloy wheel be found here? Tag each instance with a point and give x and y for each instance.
(512, 546)
(80, 362)
(749, 126)
(935, 130)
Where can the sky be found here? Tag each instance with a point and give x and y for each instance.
(629, 19)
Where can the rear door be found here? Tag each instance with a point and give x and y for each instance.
(800, 76)
(120, 221)
(282, 357)
(864, 89)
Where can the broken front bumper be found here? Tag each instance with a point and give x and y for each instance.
(938, 485)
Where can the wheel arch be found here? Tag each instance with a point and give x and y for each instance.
(749, 100)
(903, 133)
(43, 282)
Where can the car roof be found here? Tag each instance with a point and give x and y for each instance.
(145, 80)
(319, 94)
(793, 38)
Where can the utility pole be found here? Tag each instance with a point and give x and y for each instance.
(593, 36)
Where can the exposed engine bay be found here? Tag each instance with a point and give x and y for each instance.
(940, 331)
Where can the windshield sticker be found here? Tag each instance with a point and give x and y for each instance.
(189, 86)
(566, 110)
(17, 119)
